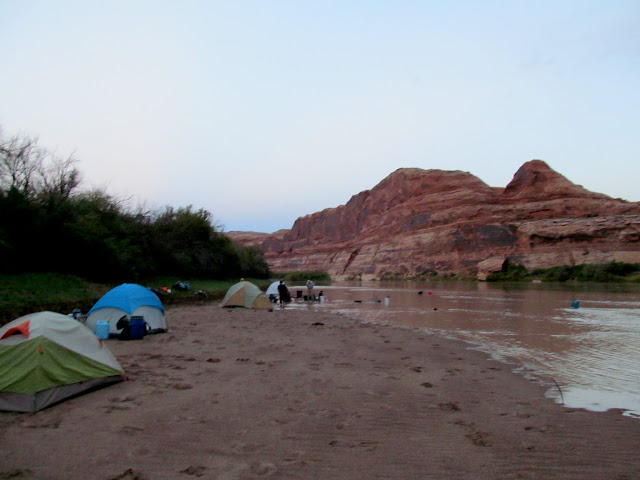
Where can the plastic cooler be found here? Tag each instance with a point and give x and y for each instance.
(102, 330)
(136, 328)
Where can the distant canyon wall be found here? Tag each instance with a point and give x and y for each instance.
(450, 222)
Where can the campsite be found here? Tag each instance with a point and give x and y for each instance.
(233, 388)
(48, 357)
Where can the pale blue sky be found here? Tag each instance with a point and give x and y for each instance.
(264, 111)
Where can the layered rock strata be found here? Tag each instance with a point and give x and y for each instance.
(425, 221)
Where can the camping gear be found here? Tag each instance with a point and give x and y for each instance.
(102, 330)
(46, 357)
(136, 326)
(128, 299)
(273, 289)
(247, 295)
(181, 286)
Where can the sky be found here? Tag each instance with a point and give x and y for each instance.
(263, 111)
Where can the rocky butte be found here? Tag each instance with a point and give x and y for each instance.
(419, 221)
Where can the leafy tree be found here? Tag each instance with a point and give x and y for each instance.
(185, 242)
(47, 225)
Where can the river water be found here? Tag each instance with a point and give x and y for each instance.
(588, 356)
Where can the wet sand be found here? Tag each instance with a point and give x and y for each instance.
(238, 394)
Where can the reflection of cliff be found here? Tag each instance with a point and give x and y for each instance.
(451, 222)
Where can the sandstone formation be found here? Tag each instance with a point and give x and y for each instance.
(450, 222)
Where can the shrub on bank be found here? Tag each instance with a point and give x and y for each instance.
(600, 272)
(317, 276)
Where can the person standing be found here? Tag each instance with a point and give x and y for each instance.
(310, 286)
(283, 293)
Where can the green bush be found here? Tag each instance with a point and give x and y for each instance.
(317, 276)
(511, 272)
(46, 225)
(601, 272)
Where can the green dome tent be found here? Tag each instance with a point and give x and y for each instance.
(246, 294)
(46, 357)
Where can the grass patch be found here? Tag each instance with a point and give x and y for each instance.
(317, 276)
(600, 272)
(35, 292)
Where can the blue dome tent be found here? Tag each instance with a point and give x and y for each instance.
(128, 299)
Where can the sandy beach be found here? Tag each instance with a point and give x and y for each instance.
(239, 394)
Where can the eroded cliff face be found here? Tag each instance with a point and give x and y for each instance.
(453, 223)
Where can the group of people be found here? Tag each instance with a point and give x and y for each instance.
(285, 294)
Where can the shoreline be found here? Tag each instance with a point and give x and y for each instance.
(240, 394)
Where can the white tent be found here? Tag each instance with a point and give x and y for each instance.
(273, 289)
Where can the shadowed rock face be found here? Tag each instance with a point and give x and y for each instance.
(451, 222)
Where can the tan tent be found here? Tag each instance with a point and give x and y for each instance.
(246, 294)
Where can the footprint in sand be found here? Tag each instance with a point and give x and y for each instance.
(186, 359)
(129, 430)
(479, 439)
(367, 446)
(36, 423)
(130, 474)
(118, 399)
(247, 447)
(449, 407)
(264, 468)
(182, 386)
(111, 408)
(15, 473)
(198, 471)
(524, 415)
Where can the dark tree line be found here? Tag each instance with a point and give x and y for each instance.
(47, 224)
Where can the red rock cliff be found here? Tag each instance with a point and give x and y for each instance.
(453, 223)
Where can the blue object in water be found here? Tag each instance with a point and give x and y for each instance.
(575, 304)
(136, 328)
(102, 330)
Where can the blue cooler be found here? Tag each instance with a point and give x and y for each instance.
(102, 330)
(136, 328)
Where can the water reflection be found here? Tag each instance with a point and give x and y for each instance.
(592, 352)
